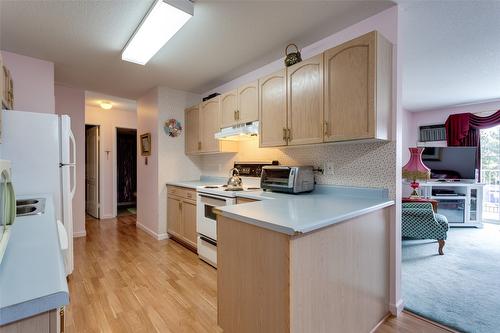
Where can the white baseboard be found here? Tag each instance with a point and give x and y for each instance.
(107, 216)
(157, 236)
(397, 308)
(77, 234)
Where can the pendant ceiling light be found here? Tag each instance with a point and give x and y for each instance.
(162, 21)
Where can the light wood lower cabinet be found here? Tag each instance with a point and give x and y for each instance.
(181, 215)
(358, 76)
(267, 282)
(46, 322)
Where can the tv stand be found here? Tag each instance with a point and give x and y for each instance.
(460, 201)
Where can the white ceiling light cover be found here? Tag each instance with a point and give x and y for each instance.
(161, 23)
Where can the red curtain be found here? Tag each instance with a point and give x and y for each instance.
(463, 130)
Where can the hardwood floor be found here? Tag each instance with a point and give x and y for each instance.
(126, 281)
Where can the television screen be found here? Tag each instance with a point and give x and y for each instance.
(451, 162)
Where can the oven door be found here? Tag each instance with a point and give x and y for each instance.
(206, 219)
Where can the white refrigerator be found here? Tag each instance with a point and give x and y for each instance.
(42, 151)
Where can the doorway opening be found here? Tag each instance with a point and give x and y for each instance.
(490, 173)
(126, 171)
(92, 198)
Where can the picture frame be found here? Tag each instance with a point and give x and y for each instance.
(146, 144)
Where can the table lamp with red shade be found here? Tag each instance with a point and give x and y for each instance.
(415, 170)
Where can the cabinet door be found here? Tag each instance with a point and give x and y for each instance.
(272, 110)
(192, 129)
(248, 108)
(228, 107)
(305, 101)
(209, 124)
(174, 216)
(189, 222)
(349, 90)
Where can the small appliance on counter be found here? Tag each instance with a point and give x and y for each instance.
(287, 179)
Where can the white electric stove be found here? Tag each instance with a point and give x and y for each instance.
(211, 196)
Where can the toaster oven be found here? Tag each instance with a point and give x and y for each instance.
(288, 179)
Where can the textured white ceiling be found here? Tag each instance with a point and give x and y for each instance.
(451, 53)
(94, 99)
(223, 40)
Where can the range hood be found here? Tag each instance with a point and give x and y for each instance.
(239, 132)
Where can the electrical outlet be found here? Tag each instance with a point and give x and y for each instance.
(328, 168)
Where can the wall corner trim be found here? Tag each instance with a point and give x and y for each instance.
(150, 232)
(77, 234)
(397, 308)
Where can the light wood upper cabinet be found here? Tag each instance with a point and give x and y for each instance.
(209, 124)
(228, 108)
(192, 131)
(358, 89)
(272, 110)
(248, 108)
(305, 101)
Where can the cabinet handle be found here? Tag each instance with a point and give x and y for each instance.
(289, 135)
(180, 205)
(199, 145)
(284, 134)
(235, 115)
(326, 128)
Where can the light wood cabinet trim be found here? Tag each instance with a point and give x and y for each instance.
(240, 200)
(228, 108)
(285, 291)
(305, 101)
(257, 299)
(273, 110)
(248, 103)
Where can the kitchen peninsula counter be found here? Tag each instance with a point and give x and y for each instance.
(316, 262)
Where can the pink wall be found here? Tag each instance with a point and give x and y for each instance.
(71, 102)
(147, 175)
(33, 82)
(108, 121)
(438, 116)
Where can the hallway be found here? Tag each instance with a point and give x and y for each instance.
(126, 281)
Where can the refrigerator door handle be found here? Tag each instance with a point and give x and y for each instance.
(73, 147)
(73, 189)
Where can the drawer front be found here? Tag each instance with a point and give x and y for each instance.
(182, 192)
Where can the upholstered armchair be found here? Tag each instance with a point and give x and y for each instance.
(420, 222)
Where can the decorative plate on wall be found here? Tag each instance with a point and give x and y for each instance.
(173, 128)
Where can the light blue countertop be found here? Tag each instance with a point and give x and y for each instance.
(203, 181)
(32, 275)
(301, 213)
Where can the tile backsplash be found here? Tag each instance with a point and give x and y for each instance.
(355, 164)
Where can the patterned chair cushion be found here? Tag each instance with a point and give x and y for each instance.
(420, 222)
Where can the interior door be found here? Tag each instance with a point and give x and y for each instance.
(92, 171)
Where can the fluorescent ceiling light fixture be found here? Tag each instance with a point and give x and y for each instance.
(106, 105)
(163, 20)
